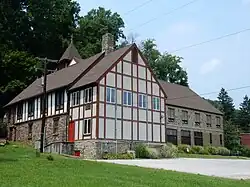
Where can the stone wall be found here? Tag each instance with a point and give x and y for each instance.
(191, 126)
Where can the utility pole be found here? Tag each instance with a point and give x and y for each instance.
(44, 98)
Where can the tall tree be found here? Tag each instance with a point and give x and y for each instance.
(226, 104)
(166, 66)
(93, 26)
(231, 136)
(243, 115)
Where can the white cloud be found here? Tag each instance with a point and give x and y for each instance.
(209, 66)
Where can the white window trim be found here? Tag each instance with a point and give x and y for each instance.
(142, 95)
(127, 100)
(110, 95)
(74, 98)
(88, 129)
(156, 103)
(89, 99)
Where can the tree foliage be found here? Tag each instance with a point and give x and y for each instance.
(165, 66)
(243, 115)
(231, 136)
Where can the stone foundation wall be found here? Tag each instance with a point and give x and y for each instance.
(94, 149)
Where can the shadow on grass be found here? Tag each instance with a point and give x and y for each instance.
(2, 160)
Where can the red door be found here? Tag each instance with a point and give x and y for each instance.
(71, 130)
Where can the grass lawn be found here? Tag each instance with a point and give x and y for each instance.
(20, 167)
(185, 155)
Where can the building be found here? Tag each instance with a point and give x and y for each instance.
(245, 139)
(109, 102)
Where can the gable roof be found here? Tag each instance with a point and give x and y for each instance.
(70, 53)
(57, 79)
(101, 67)
(183, 96)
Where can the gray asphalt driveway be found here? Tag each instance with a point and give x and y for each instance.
(235, 169)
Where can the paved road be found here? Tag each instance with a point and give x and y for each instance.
(234, 169)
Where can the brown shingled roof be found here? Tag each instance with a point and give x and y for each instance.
(57, 79)
(70, 53)
(183, 96)
(101, 67)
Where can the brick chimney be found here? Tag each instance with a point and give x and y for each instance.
(108, 43)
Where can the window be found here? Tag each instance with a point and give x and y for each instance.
(75, 98)
(110, 95)
(59, 100)
(185, 137)
(30, 131)
(218, 122)
(87, 107)
(88, 95)
(171, 114)
(156, 103)
(209, 121)
(127, 98)
(142, 101)
(31, 108)
(46, 105)
(184, 117)
(87, 127)
(172, 136)
(220, 139)
(197, 119)
(55, 125)
(198, 138)
(211, 138)
(20, 111)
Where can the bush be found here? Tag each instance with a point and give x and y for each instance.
(50, 157)
(153, 153)
(245, 151)
(212, 150)
(168, 151)
(197, 150)
(223, 151)
(112, 156)
(183, 148)
(142, 151)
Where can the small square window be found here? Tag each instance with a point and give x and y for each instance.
(110, 95)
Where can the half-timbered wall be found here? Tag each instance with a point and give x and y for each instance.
(51, 108)
(83, 112)
(131, 119)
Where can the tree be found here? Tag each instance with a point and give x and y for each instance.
(226, 104)
(165, 66)
(243, 115)
(93, 26)
(215, 103)
(231, 136)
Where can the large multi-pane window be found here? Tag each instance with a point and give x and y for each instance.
(171, 114)
(110, 95)
(88, 95)
(142, 101)
(209, 121)
(31, 108)
(76, 98)
(59, 100)
(185, 137)
(198, 138)
(156, 103)
(127, 98)
(184, 117)
(172, 136)
(20, 111)
(197, 119)
(218, 122)
(87, 127)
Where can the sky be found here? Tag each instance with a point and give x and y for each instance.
(211, 66)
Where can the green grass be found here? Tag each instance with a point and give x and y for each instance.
(20, 167)
(185, 155)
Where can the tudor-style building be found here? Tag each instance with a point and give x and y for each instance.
(104, 103)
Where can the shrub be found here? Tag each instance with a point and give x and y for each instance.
(50, 157)
(183, 148)
(153, 153)
(211, 150)
(141, 151)
(168, 151)
(112, 156)
(223, 151)
(244, 151)
(197, 150)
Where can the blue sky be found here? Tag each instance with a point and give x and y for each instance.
(223, 63)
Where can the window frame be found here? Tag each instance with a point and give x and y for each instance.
(142, 101)
(109, 93)
(197, 122)
(126, 99)
(170, 117)
(210, 138)
(184, 138)
(59, 100)
(198, 138)
(20, 111)
(218, 119)
(172, 137)
(156, 103)
(76, 98)
(31, 108)
(209, 122)
(221, 141)
(46, 105)
(184, 118)
(88, 95)
(87, 123)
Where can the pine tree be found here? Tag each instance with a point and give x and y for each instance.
(226, 105)
(243, 117)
